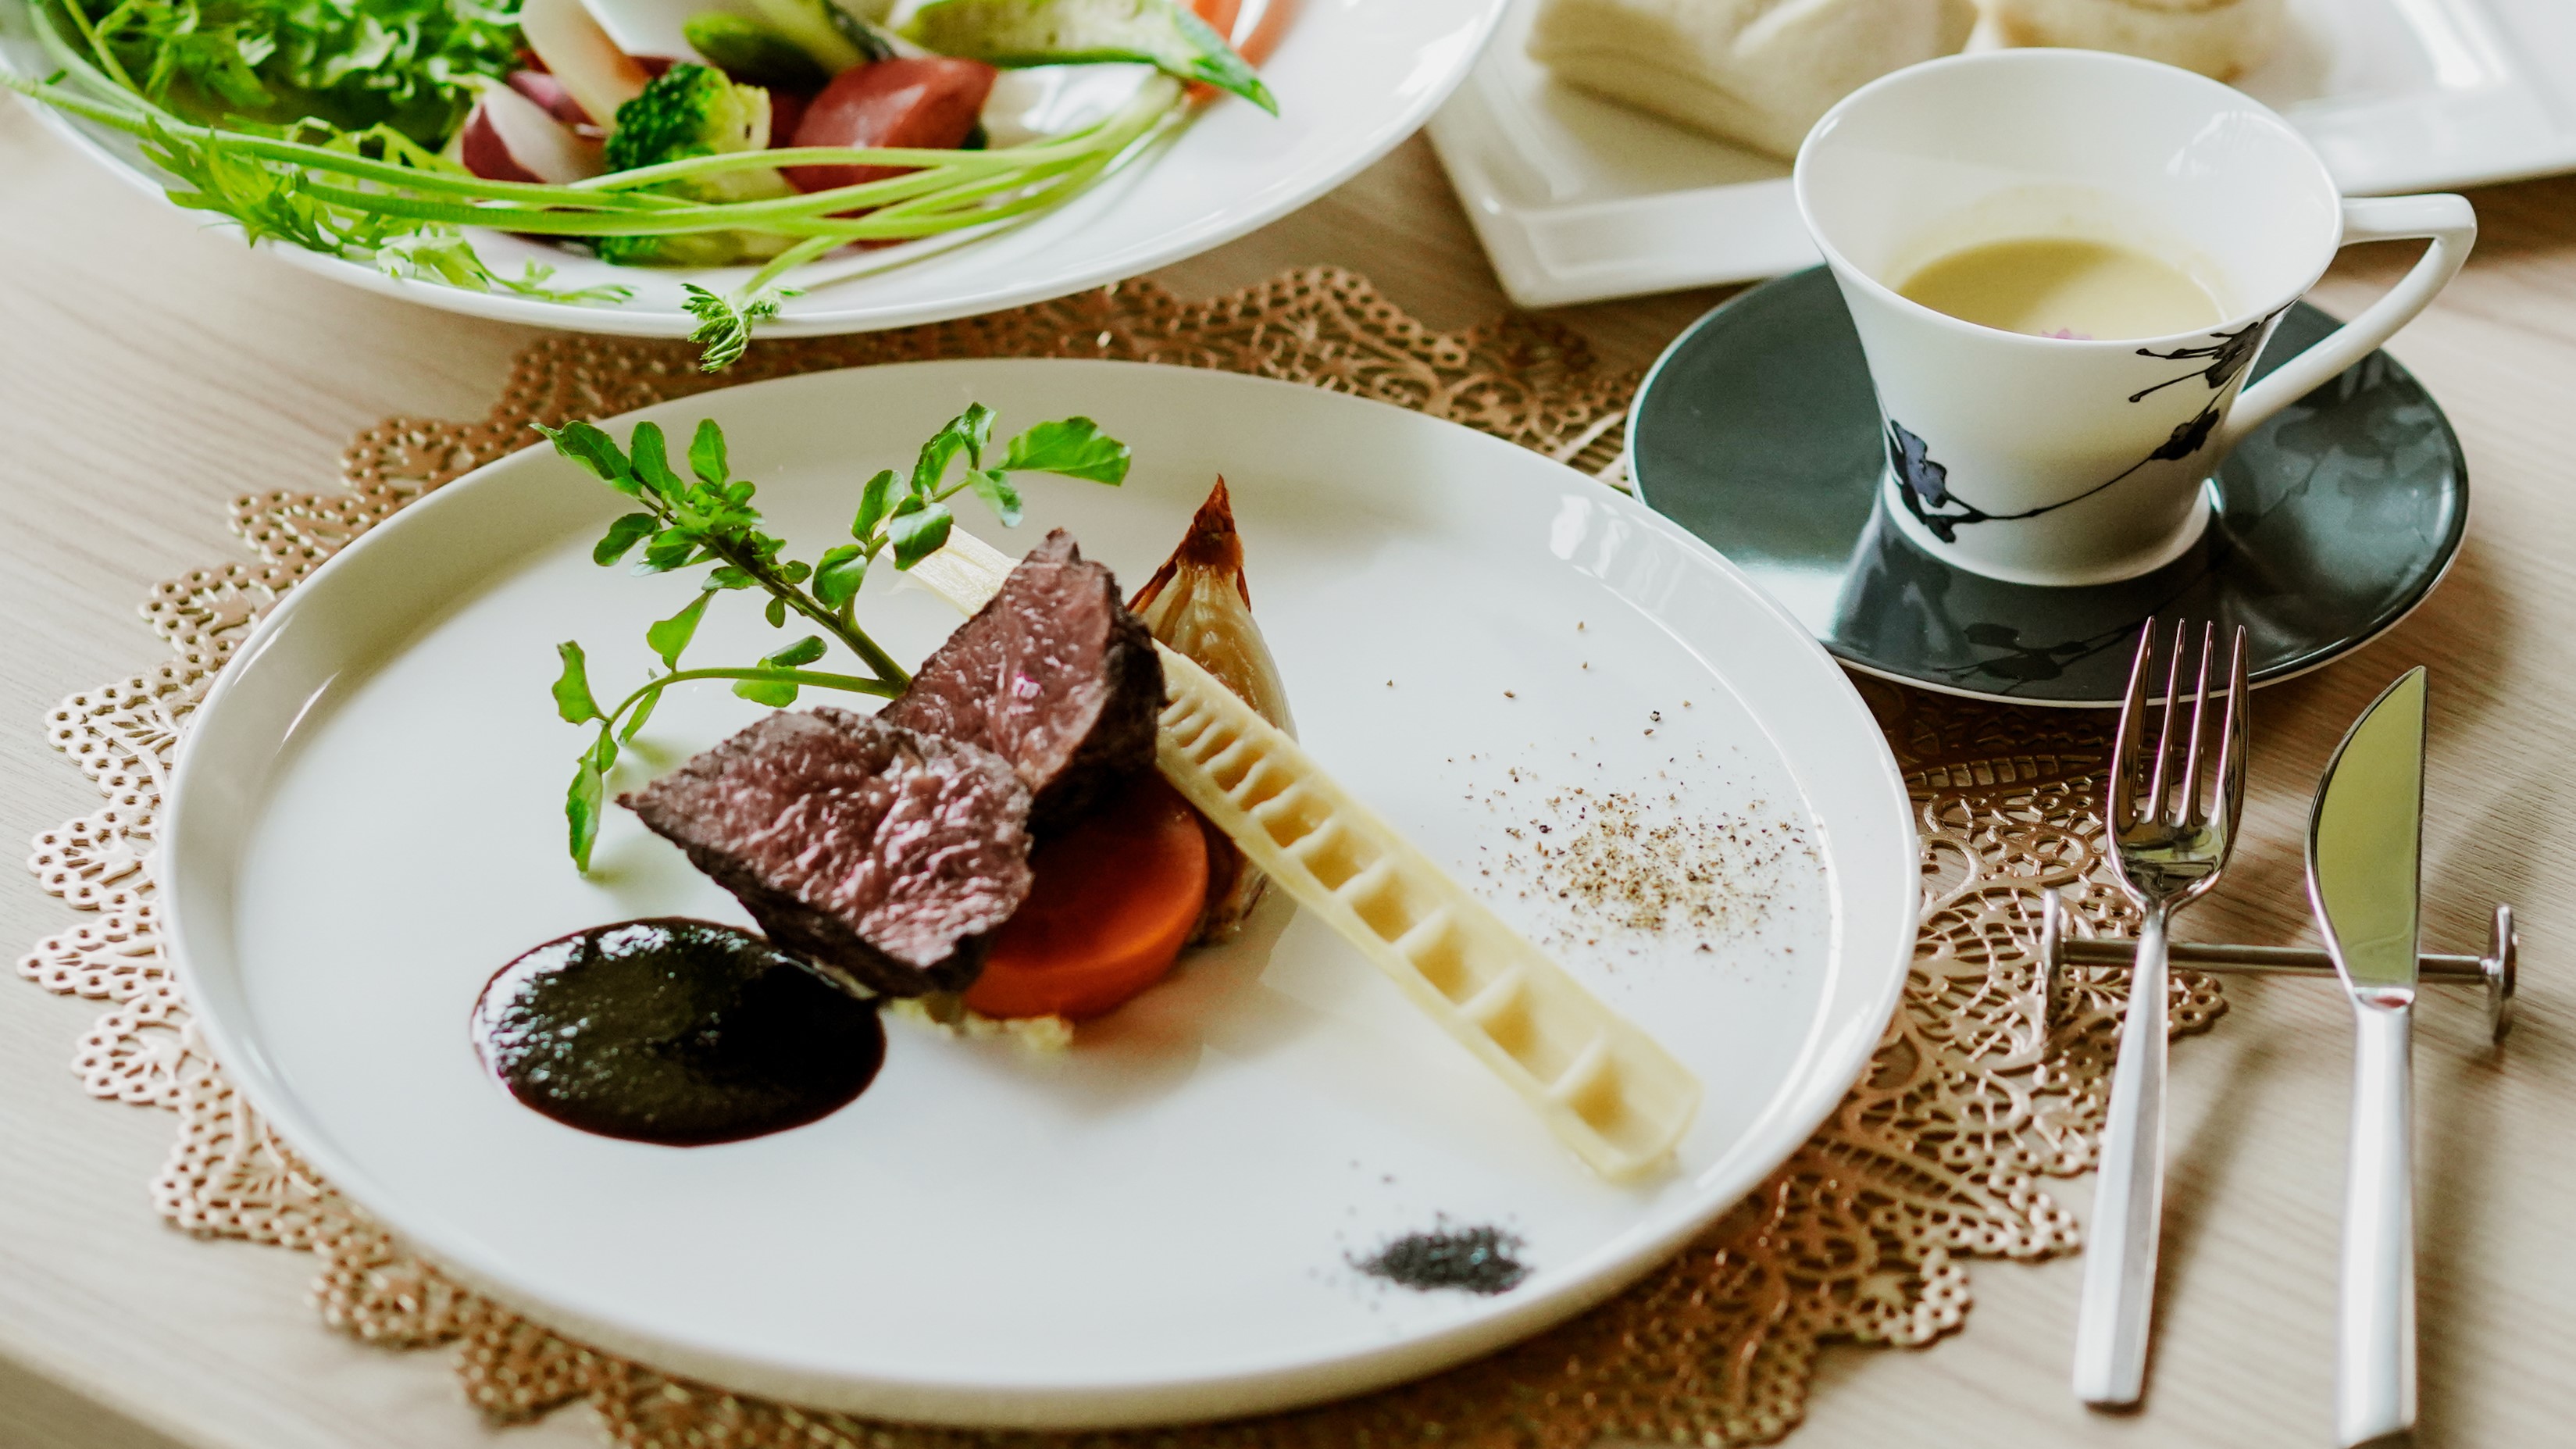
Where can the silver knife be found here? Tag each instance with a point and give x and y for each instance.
(2365, 849)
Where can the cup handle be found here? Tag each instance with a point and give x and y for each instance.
(2446, 221)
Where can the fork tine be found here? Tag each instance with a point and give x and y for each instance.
(2165, 729)
(2229, 787)
(2187, 811)
(2124, 744)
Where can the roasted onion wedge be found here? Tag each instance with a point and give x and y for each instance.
(1199, 604)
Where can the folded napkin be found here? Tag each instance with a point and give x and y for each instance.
(1756, 72)
(2220, 38)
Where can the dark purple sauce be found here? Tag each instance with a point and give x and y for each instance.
(675, 1031)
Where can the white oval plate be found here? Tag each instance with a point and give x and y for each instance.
(1353, 78)
(1160, 1223)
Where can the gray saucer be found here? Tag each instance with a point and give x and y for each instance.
(1757, 431)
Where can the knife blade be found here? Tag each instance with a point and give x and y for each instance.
(2365, 855)
(2365, 841)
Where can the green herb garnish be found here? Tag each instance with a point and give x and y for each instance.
(725, 323)
(410, 65)
(707, 518)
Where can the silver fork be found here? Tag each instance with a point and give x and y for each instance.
(2173, 831)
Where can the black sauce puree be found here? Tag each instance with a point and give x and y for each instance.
(675, 1031)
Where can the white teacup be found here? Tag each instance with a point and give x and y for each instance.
(2055, 460)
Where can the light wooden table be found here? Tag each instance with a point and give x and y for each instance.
(148, 374)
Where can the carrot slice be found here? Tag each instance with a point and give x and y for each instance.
(1115, 899)
(1220, 15)
(1268, 24)
(1253, 41)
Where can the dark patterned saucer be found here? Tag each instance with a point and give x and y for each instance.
(1757, 431)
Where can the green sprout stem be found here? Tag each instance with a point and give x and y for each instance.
(98, 47)
(810, 213)
(612, 205)
(890, 676)
(809, 678)
(795, 256)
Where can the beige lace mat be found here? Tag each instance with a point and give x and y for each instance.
(1936, 1156)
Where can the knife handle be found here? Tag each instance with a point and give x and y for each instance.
(2375, 1340)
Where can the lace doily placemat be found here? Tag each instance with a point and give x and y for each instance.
(1936, 1156)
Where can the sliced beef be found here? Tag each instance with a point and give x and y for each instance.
(869, 848)
(1054, 675)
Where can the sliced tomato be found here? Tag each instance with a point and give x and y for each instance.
(930, 102)
(1115, 899)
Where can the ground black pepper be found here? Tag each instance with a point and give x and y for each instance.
(1632, 866)
(1478, 1259)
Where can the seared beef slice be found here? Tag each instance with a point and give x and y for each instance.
(1054, 675)
(885, 852)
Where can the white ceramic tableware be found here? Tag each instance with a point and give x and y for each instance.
(2070, 460)
(1353, 78)
(1161, 1223)
(1577, 198)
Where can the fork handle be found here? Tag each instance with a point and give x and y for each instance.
(2128, 1198)
(2375, 1337)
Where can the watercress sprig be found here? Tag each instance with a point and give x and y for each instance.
(707, 518)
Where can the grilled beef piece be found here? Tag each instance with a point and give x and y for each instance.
(873, 850)
(1054, 675)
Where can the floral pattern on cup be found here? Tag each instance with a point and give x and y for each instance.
(1926, 484)
(2229, 353)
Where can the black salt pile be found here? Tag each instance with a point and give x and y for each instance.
(1478, 1259)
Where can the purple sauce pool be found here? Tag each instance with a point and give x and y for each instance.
(675, 1031)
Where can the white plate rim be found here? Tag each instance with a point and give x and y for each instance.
(1829, 1062)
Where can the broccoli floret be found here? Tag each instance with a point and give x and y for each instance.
(689, 110)
(693, 110)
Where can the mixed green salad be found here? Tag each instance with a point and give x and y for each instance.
(681, 133)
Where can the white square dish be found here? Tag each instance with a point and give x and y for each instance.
(1577, 198)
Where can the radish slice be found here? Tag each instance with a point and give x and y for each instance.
(598, 75)
(511, 138)
(786, 113)
(550, 94)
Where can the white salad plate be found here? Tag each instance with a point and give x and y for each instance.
(1352, 77)
(1160, 1222)
(1577, 198)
